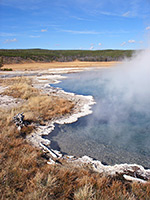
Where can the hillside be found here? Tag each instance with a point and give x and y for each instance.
(42, 55)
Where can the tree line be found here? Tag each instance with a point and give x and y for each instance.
(42, 55)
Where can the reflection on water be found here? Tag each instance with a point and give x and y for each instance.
(117, 131)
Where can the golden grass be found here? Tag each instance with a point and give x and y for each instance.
(39, 66)
(25, 175)
(19, 87)
(21, 90)
(85, 192)
(13, 80)
(38, 107)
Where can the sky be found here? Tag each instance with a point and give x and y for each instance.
(75, 24)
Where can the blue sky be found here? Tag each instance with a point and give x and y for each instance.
(74, 24)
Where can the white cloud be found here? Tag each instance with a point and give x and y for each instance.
(141, 42)
(44, 30)
(82, 32)
(92, 47)
(131, 41)
(81, 19)
(23, 4)
(2, 34)
(123, 43)
(34, 36)
(107, 13)
(126, 14)
(148, 28)
(10, 40)
(78, 18)
(92, 32)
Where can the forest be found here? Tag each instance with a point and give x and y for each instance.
(9, 56)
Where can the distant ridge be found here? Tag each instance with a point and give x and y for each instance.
(43, 55)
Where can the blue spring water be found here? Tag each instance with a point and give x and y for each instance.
(115, 132)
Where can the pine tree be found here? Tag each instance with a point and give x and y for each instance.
(1, 62)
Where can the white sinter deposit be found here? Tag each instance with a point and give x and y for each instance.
(82, 108)
(8, 101)
(131, 172)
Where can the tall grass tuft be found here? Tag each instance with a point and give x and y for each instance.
(86, 192)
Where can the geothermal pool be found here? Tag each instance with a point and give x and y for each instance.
(118, 130)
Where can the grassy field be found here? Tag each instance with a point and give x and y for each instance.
(52, 65)
(24, 172)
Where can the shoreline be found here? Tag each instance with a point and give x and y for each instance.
(82, 108)
(83, 105)
(131, 172)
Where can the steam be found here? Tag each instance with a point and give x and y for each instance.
(129, 84)
(126, 106)
(118, 131)
(122, 113)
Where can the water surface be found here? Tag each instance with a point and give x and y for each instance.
(117, 131)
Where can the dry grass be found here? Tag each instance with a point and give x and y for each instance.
(37, 107)
(39, 66)
(85, 192)
(14, 80)
(25, 175)
(47, 107)
(19, 88)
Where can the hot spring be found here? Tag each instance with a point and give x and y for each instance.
(118, 130)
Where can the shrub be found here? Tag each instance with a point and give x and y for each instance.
(6, 69)
(1, 62)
